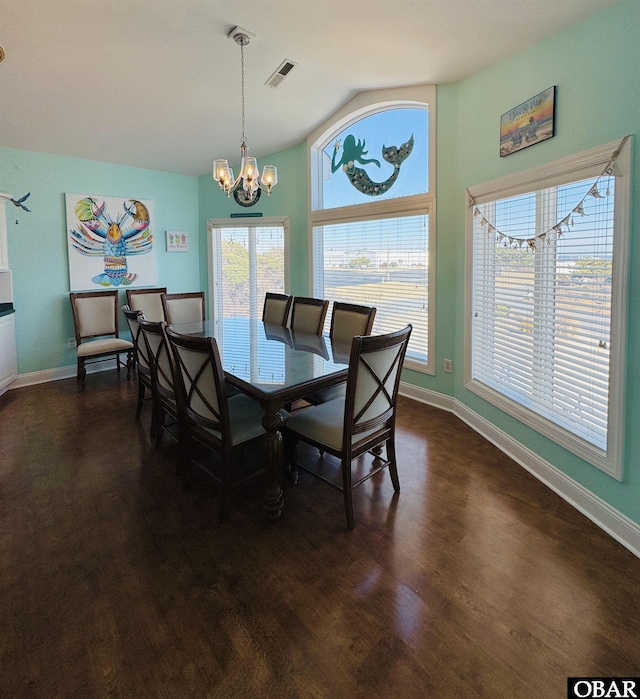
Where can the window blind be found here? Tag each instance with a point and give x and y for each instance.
(382, 263)
(247, 262)
(251, 262)
(541, 302)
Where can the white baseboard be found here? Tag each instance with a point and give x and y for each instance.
(619, 526)
(63, 372)
(424, 395)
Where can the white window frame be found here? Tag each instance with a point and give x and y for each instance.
(215, 304)
(367, 104)
(573, 168)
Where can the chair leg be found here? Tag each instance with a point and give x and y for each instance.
(154, 419)
(141, 392)
(290, 458)
(348, 491)
(82, 371)
(129, 364)
(160, 428)
(186, 464)
(183, 451)
(225, 491)
(393, 466)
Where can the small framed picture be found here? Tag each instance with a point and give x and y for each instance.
(177, 241)
(529, 123)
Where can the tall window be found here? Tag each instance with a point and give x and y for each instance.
(247, 259)
(371, 209)
(547, 300)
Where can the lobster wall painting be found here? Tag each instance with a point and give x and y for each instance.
(110, 241)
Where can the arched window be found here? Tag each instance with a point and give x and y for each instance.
(372, 212)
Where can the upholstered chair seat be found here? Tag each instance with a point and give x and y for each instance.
(245, 420)
(93, 348)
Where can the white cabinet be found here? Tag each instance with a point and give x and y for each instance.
(8, 358)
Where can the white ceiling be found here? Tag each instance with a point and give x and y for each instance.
(156, 83)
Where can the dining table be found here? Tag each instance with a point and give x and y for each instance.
(275, 366)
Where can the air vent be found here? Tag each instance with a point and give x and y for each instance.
(280, 74)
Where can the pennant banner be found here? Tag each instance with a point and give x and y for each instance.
(561, 226)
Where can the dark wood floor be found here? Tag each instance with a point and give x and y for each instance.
(476, 581)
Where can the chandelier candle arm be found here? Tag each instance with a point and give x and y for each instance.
(249, 174)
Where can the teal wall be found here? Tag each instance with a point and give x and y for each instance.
(288, 198)
(37, 244)
(595, 66)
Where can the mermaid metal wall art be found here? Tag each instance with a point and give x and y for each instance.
(354, 151)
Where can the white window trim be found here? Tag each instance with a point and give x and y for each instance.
(365, 104)
(582, 165)
(249, 222)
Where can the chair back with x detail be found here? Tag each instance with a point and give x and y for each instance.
(164, 394)
(362, 421)
(207, 415)
(143, 367)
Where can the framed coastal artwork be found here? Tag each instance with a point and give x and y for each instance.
(177, 241)
(529, 123)
(110, 242)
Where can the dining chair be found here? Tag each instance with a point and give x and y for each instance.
(308, 314)
(276, 309)
(141, 354)
(362, 421)
(148, 301)
(183, 308)
(208, 416)
(347, 321)
(162, 377)
(95, 317)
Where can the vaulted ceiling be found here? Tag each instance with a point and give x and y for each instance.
(156, 83)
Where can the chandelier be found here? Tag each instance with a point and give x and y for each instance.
(249, 171)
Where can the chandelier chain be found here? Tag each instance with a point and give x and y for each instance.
(250, 178)
(243, 140)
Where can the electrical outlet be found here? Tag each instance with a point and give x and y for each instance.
(71, 343)
(448, 365)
